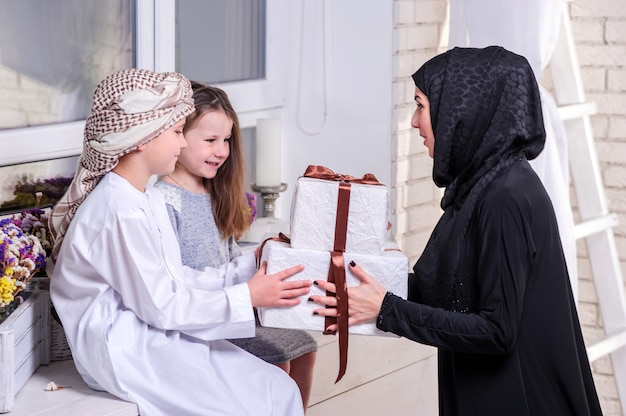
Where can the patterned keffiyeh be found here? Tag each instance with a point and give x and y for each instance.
(130, 108)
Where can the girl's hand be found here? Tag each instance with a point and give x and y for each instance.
(269, 290)
(364, 300)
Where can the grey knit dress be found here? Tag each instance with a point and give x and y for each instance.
(201, 245)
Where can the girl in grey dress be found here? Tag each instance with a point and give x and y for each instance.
(208, 208)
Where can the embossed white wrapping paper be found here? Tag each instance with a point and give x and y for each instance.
(390, 268)
(314, 209)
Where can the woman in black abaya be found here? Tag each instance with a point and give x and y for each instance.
(491, 289)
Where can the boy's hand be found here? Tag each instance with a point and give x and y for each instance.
(269, 290)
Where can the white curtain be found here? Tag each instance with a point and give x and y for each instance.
(529, 28)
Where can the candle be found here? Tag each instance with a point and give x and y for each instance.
(268, 149)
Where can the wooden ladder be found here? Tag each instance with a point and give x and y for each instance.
(596, 223)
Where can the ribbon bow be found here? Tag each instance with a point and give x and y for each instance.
(322, 172)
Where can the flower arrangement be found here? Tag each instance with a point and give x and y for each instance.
(21, 256)
(251, 206)
(35, 222)
(30, 193)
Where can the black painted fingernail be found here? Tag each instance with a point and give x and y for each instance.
(352, 263)
(315, 283)
(311, 300)
(315, 313)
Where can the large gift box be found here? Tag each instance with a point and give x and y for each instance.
(390, 268)
(335, 219)
(322, 198)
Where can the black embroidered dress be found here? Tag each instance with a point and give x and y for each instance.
(491, 290)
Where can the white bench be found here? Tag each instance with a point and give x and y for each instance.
(76, 400)
(392, 376)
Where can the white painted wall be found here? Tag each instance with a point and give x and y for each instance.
(338, 101)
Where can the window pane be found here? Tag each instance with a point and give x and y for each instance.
(53, 53)
(220, 41)
(38, 184)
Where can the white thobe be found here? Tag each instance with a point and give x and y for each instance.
(149, 330)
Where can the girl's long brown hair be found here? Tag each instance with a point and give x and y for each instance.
(228, 198)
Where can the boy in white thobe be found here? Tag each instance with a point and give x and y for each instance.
(139, 324)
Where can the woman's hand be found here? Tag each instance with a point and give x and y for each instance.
(269, 290)
(364, 300)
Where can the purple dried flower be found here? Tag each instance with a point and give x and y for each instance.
(252, 205)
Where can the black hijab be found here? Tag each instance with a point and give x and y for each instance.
(486, 114)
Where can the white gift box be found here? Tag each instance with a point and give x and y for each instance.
(314, 212)
(390, 268)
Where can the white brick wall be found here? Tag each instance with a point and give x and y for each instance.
(600, 34)
(34, 106)
(417, 36)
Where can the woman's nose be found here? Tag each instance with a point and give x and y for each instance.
(415, 120)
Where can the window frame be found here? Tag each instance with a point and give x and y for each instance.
(252, 99)
(155, 49)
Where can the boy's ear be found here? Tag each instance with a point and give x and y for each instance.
(142, 147)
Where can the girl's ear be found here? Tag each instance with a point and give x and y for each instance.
(142, 147)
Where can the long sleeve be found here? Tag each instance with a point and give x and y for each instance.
(214, 301)
(125, 253)
(501, 252)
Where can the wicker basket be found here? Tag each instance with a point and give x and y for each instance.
(59, 350)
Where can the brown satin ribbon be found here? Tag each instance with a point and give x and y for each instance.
(337, 271)
(282, 238)
(337, 275)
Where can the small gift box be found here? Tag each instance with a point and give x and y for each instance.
(329, 208)
(390, 268)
